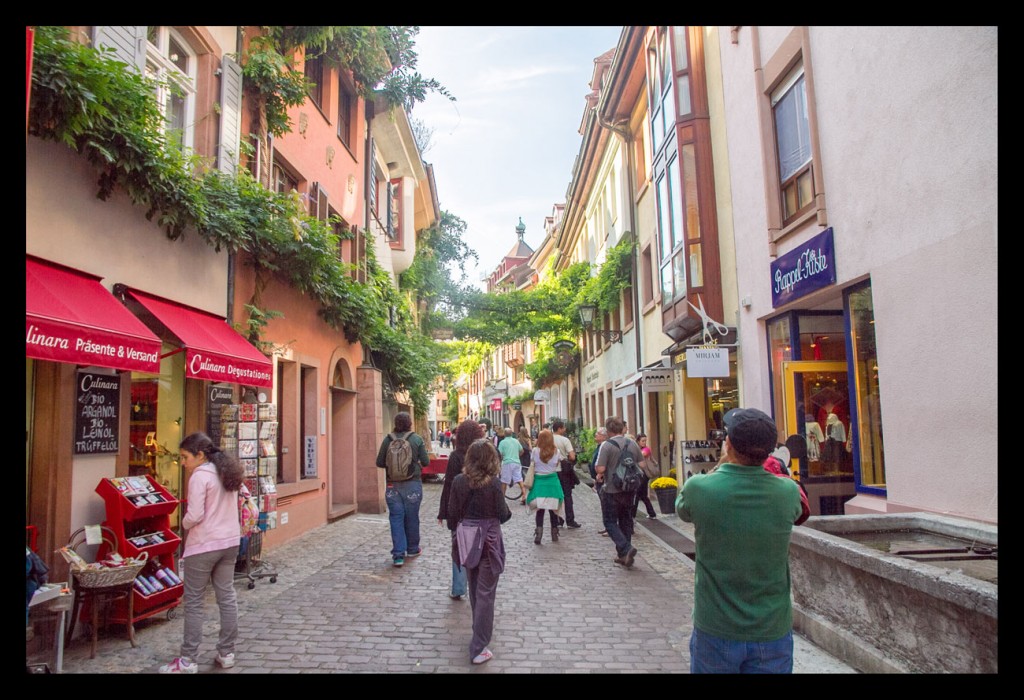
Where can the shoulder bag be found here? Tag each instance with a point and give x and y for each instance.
(530, 473)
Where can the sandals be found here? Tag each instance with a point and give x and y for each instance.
(483, 657)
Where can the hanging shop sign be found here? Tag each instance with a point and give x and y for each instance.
(496, 404)
(97, 414)
(707, 361)
(807, 268)
(657, 379)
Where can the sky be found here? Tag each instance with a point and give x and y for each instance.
(505, 148)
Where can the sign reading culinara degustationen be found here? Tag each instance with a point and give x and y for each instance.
(807, 268)
(97, 414)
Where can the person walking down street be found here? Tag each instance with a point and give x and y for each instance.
(651, 470)
(527, 442)
(478, 508)
(600, 435)
(546, 494)
(403, 492)
(527, 454)
(743, 516)
(511, 468)
(566, 471)
(211, 523)
(465, 434)
(616, 505)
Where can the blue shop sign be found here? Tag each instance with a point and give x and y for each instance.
(809, 267)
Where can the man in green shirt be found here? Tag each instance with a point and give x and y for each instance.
(511, 468)
(743, 517)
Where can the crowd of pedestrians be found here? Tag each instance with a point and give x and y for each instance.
(743, 517)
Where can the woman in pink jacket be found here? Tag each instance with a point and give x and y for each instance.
(211, 548)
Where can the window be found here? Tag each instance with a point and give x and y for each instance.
(346, 103)
(318, 207)
(282, 181)
(314, 70)
(646, 276)
(641, 157)
(627, 307)
(793, 145)
(659, 93)
(172, 66)
(692, 219)
(394, 222)
(673, 269)
(870, 466)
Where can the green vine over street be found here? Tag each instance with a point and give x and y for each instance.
(84, 99)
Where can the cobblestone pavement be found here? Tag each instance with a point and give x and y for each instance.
(339, 606)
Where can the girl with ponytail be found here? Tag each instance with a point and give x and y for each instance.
(212, 538)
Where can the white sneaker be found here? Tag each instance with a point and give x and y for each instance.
(180, 665)
(226, 661)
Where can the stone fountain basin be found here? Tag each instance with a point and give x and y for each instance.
(881, 612)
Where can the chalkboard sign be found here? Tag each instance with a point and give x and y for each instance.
(217, 396)
(96, 413)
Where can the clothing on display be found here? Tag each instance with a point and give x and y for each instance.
(815, 437)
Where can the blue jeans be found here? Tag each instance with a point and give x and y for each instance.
(460, 582)
(403, 499)
(617, 515)
(710, 654)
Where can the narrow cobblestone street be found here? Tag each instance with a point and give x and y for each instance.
(339, 606)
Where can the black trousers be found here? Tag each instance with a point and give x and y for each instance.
(643, 497)
(568, 484)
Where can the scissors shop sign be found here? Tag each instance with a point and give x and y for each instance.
(707, 361)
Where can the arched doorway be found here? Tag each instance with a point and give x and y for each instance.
(342, 441)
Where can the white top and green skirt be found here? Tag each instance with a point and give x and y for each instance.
(546, 493)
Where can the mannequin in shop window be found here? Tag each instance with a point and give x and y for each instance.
(835, 441)
(815, 438)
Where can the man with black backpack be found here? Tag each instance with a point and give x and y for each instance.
(618, 472)
(403, 455)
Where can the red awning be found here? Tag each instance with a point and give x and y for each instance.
(214, 351)
(71, 317)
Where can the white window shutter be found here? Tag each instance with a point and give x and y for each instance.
(129, 43)
(314, 198)
(230, 115)
(391, 211)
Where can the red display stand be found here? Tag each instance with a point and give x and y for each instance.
(138, 511)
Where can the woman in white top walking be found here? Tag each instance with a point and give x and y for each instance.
(546, 493)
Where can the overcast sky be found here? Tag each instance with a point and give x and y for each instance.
(506, 147)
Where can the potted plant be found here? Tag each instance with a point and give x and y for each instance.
(666, 488)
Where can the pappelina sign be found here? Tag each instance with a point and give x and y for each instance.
(807, 268)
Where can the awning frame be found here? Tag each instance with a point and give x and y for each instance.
(214, 351)
(70, 317)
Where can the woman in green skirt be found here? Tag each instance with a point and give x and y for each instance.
(546, 494)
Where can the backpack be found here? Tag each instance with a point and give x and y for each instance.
(399, 458)
(248, 512)
(627, 476)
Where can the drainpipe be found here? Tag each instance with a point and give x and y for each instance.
(626, 137)
(231, 252)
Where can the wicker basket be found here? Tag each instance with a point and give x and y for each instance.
(110, 576)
